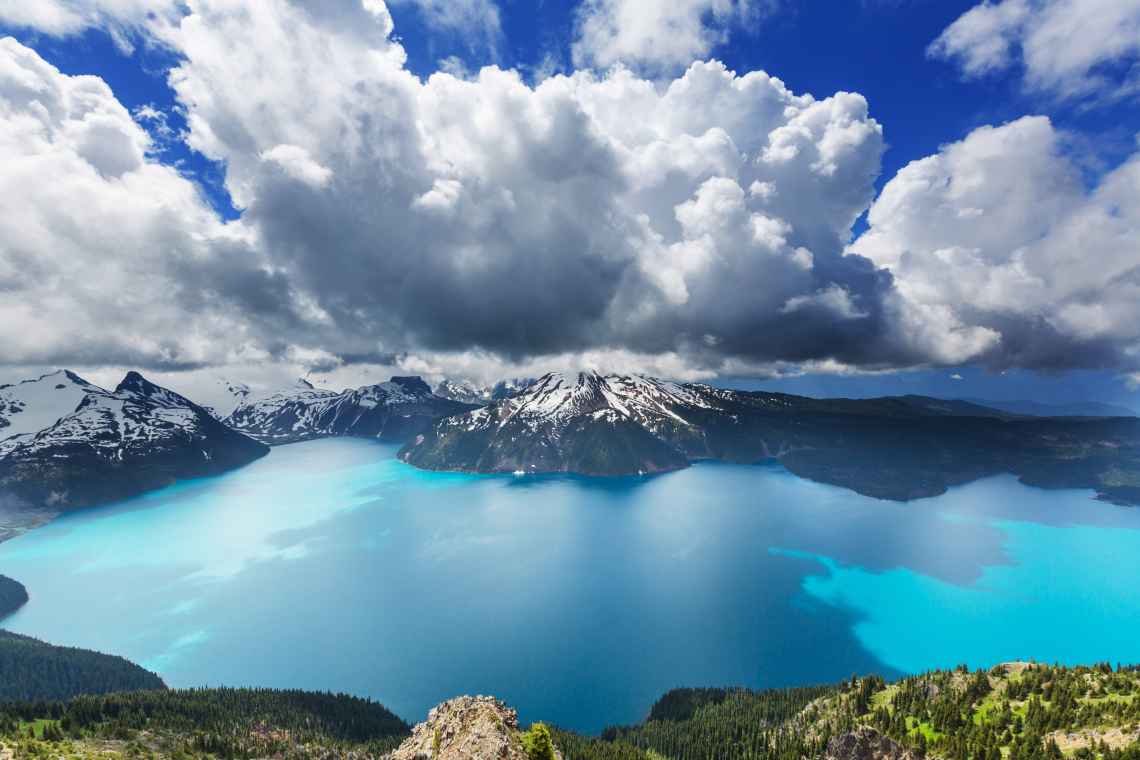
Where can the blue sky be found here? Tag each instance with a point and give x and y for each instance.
(880, 49)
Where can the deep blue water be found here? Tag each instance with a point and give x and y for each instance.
(329, 565)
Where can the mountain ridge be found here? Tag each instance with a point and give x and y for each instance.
(899, 448)
(119, 443)
(389, 411)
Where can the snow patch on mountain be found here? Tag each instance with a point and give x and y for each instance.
(32, 405)
(385, 410)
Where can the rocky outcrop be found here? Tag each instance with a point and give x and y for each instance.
(866, 744)
(466, 728)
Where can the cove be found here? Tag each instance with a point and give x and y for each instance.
(330, 565)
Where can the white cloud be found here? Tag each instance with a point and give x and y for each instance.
(996, 236)
(682, 226)
(95, 238)
(387, 216)
(298, 164)
(658, 34)
(478, 21)
(1068, 48)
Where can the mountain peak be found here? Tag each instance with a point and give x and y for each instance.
(134, 382)
(412, 384)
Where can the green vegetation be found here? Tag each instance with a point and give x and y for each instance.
(1014, 712)
(13, 596)
(1019, 711)
(695, 724)
(537, 743)
(31, 670)
(229, 723)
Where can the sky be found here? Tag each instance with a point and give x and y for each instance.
(855, 197)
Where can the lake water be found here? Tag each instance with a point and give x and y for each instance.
(330, 565)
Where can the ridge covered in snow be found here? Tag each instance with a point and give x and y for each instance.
(894, 447)
(393, 410)
(118, 443)
(32, 405)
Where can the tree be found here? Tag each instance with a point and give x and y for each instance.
(538, 744)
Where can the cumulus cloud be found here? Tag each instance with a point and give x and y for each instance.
(658, 34)
(90, 229)
(388, 216)
(1068, 48)
(684, 226)
(996, 239)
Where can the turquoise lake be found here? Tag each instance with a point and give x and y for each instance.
(330, 565)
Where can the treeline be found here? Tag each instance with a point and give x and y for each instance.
(1013, 713)
(31, 670)
(707, 724)
(13, 596)
(1001, 715)
(230, 723)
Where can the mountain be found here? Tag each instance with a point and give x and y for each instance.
(119, 444)
(464, 391)
(560, 424)
(391, 411)
(228, 395)
(32, 405)
(480, 395)
(893, 447)
(511, 387)
(1071, 409)
(32, 670)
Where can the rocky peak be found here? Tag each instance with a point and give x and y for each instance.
(135, 387)
(466, 728)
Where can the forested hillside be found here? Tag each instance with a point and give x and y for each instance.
(203, 723)
(33, 670)
(1018, 711)
(13, 596)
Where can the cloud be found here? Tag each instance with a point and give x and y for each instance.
(657, 34)
(1067, 48)
(997, 239)
(384, 215)
(689, 226)
(108, 257)
(476, 21)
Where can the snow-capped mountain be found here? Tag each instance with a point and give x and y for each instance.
(469, 392)
(119, 443)
(391, 411)
(32, 405)
(581, 423)
(511, 387)
(464, 391)
(894, 447)
(227, 396)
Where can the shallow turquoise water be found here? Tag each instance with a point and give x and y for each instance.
(329, 565)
